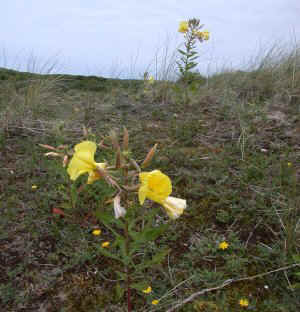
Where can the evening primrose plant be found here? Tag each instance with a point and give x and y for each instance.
(132, 222)
(192, 34)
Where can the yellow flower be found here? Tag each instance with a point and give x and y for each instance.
(224, 245)
(34, 187)
(205, 35)
(244, 302)
(289, 164)
(83, 162)
(105, 244)
(96, 232)
(157, 186)
(155, 302)
(147, 290)
(183, 27)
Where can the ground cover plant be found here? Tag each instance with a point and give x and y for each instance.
(232, 151)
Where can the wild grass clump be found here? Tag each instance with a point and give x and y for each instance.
(275, 73)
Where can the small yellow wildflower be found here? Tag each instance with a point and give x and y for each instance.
(183, 27)
(155, 302)
(157, 186)
(96, 232)
(244, 302)
(83, 162)
(224, 245)
(34, 187)
(147, 290)
(105, 244)
(289, 164)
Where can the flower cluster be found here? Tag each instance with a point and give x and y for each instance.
(193, 27)
(154, 185)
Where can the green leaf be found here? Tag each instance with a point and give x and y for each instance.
(193, 58)
(121, 275)
(159, 257)
(120, 242)
(296, 258)
(105, 217)
(119, 291)
(191, 65)
(156, 259)
(108, 254)
(151, 234)
(182, 52)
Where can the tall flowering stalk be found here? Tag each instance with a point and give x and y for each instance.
(131, 187)
(192, 35)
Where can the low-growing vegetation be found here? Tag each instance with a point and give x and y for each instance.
(231, 150)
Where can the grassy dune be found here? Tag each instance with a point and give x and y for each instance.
(231, 146)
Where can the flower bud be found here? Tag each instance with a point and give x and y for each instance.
(125, 139)
(149, 156)
(118, 209)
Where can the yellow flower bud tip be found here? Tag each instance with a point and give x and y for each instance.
(147, 290)
(183, 27)
(244, 302)
(105, 244)
(96, 232)
(155, 302)
(34, 187)
(224, 245)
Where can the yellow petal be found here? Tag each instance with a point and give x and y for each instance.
(143, 177)
(94, 175)
(83, 159)
(96, 232)
(78, 167)
(142, 194)
(183, 27)
(85, 151)
(155, 186)
(159, 186)
(174, 206)
(105, 244)
(86, 146)
(147, 290)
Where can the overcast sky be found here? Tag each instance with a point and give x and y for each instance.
(122, 37)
